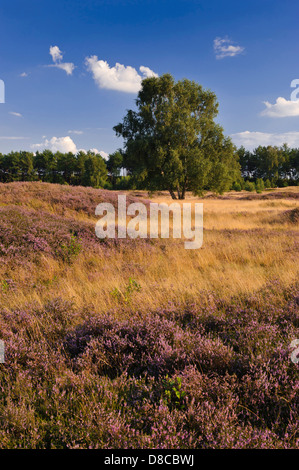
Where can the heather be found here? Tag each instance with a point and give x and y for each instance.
(58, 199)
(191, 376)
(141, 343)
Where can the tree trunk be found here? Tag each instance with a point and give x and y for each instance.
(172, 194)
(183, 193)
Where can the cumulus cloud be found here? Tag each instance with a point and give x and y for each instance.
(224, 47)
(57, 57)
(120, 77)
(147, 72)
(281, 108)
(24, 74)
(57, 144)
(251, 140)
(64, 145)
(15, 114)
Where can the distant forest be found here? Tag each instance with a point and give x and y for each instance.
(264, 167)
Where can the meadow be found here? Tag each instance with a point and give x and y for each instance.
(142, 343)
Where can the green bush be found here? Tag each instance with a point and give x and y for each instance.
(249, 186)
(282, 183)
(69, 251)
(108, 185)
(124, 182)
(259, 185)
(237, 186)
(126, 295)
(268, 184)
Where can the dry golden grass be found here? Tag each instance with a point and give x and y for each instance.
(247, 244)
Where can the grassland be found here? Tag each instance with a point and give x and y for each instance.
(141, 343)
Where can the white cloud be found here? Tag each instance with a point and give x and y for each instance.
(75, 132)
(56, 54)
(147, 72)
(224, 47)
(57, 57)
(251, 140)
(103, 154)
(120, 77)
(68, 67)
(15, 114)
(24, 74)
(64, 145)
(282, 108)
(57, 144)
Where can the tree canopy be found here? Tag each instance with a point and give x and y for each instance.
(114, 166)
(172, 141)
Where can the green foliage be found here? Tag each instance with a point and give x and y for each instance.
(174, 396)
(249, 186)
(69, 251)
(86, 169)
(126, 295)
(277, 165)
(259, 185)
(124, 183)
(4, 285)
(95, 171)
(114, 166)
(282, 183)
(172, 141)
(268, 184)
(237, 186)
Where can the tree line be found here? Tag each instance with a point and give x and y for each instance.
(262, 168)
(85, 169)
(171, 142)
(276, 166)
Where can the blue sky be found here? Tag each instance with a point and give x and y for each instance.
(70, 96)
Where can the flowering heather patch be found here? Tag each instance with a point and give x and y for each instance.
(60, 199)
(124, 343)
(27, 233)
(209, 375)
(41, 218)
